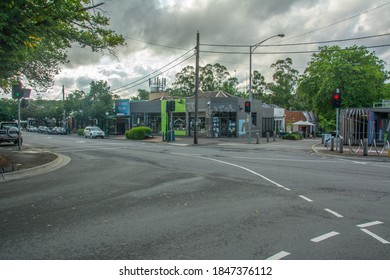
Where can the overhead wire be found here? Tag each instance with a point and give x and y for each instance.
(155, 44)
(338, 22)
(119, 89)
(147, 77)
(300, 44)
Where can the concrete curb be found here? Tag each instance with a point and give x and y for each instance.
(348, 156)
(59, 162)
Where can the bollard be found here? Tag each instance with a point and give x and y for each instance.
(274, 136)
(257, 138)
(341, 148)
(332, 144)
(267, 136)
(365, 147)
(323, 139)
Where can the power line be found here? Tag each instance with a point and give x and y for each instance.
(145, 79)
(340, 21)
(299, 44)
(286, 52)
(327, 42)
(153, 71)
(154, 44)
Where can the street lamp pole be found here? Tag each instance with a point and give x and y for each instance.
(252, 48)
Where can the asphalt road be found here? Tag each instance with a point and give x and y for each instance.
(135, 200)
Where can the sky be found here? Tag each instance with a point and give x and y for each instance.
(158, 32)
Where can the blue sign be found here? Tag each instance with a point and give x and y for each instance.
(122, 107)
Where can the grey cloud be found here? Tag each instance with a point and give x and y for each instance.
(235, 22)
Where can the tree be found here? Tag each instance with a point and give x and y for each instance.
(230, 86)
(8, 109)
(285, 81)
(142, 95)
(35, 34)
(259, 86)
(184, 84)
(211, 78)
(359, 74)
(99, 99)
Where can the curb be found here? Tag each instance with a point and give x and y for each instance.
(349, 156)
(59, 162)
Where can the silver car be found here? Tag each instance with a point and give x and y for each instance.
(93, 132)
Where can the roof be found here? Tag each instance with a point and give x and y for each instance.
(211, 94)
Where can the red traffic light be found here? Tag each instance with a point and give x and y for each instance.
(336, 102)
(247, 106)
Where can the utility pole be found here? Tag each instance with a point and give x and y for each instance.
(196, 89)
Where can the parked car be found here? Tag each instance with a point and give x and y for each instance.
(32, 128)
(42, 129)
(93, 132)
(9, 132)
(59, 130)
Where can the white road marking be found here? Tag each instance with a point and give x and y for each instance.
(380, 239)
(178, 144)
(359, 162)
(287, 159)
(334, 213)
(370, 224)
(279, 256)
(324, 236)
(305, 198)
(247, 169)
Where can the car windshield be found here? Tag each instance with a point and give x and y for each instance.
(8, 125)
(95, 129)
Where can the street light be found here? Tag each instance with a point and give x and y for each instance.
(252, 48)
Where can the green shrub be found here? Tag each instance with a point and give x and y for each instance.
(292, 136)
(138, 133)
(80, 131)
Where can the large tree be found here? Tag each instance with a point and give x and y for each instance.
(35, 36)
(358, 73)
(259, 86)
(184, 84)
(284, 83)
(211, 78)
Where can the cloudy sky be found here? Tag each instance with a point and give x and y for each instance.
(158, 32)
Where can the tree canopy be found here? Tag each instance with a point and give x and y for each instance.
(35, 36)
(359, 74)
(211, 78)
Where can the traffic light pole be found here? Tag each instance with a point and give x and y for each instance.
(337, 128)
(19, 128)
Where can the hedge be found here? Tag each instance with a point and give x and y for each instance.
(139, 133)
(292, 136)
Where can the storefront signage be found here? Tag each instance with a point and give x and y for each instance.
(122, 107)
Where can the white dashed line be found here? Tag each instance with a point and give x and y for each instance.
(334, 213)
(324, 236)
(370, 224)
(380, 239)
(305, 198)
(279, 256)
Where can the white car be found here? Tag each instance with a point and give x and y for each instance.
(93, 132)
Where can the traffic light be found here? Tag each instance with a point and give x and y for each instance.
(24, 103)
(336, 100)
(17, 91)
(247, 106)
(171, 106)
